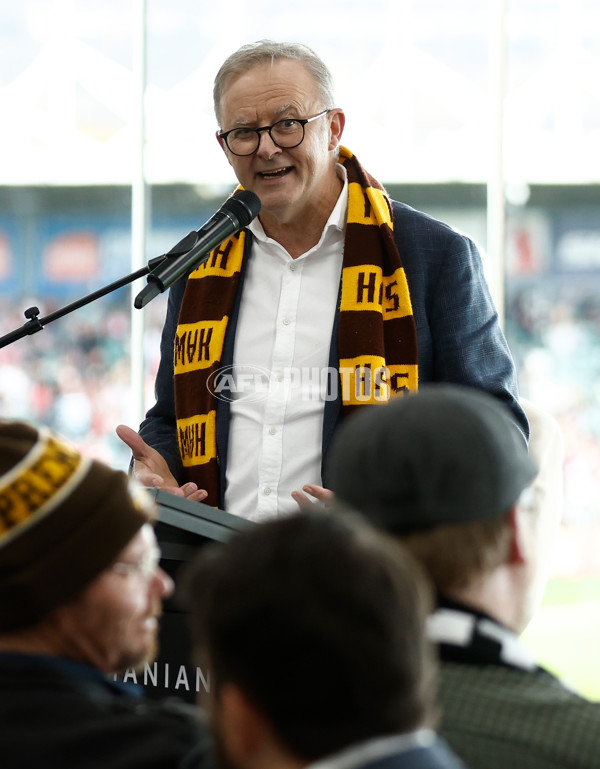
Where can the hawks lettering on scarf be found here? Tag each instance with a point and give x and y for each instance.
(198, 347)
(377, 334)
(377, 337)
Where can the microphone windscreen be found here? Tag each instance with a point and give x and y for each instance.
(244, 206)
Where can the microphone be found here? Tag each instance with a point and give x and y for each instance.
(235, 214)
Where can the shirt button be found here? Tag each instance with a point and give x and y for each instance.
(286, 321)
(267, 491)
(272, 431)
(293, 266)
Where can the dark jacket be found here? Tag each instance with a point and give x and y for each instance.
(499, 709)
(61, 715)
(435, 755)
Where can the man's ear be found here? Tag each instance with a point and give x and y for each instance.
(242, 726)
(519, 545)
(338, 121)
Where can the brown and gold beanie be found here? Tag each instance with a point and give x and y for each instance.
(63, 519)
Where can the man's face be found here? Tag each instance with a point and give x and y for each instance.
(289, 182)
(539, 512)
(113, 623)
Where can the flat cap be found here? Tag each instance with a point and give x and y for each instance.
(447, 454)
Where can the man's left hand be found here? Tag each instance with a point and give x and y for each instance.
(322, 495)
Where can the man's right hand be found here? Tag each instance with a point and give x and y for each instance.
(151, 469)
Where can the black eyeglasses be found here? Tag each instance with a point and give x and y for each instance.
(287, 134)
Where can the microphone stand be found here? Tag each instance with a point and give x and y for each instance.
(35, 323)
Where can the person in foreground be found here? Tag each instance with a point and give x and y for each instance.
(448, 476)
(80, 597)
(313, 629)
(333, 298)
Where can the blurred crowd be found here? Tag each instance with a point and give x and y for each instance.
(554, 334)
(74, 376)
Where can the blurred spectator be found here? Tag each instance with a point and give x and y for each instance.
(313, 629)
(447, 474)
(80, 596)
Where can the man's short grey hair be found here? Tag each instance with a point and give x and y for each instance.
(262, 51)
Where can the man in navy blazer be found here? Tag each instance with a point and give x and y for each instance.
(313, 630)
(267, 449)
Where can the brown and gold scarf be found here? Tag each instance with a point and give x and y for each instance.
(377, 336)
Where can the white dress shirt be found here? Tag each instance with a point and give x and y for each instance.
(281, 350)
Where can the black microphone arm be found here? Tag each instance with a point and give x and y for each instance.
(235, 214)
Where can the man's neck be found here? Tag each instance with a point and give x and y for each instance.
(42, 639)
(28, 641)
(298, 232)
(496, 595)
(296, 239)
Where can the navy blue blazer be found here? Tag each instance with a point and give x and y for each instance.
(435, 756)
(458, 334)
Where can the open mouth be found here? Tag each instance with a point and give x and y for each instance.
(277, 173)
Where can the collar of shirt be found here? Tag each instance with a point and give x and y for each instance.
(376, 749)
(477, 636)
(337, 218)
(69, 667)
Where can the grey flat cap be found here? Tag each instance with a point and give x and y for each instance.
(447, 454)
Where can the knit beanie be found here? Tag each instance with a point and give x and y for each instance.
(64, 518)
